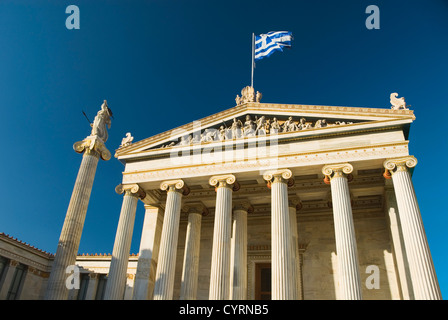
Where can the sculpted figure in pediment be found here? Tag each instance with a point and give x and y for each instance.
(237, 129)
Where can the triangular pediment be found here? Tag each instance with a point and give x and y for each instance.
(259, 120)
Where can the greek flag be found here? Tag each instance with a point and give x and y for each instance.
(267, 44)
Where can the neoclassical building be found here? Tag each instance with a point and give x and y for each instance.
(269, 201)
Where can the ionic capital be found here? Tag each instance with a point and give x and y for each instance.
(92, 145)
(175, 185)
(242, 204)
(195, 207)
(226, 181)
(282, 175)
(398, 164)
(337, 170)
(131, 189)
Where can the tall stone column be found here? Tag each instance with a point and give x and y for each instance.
(148, 253)
(424, 279)
(238, 261)
(163, 289)
(220, 268)
(294, 205)
(189, 285)
(346, 248)
(116, 281)
(283, 275)
(396, 234)
(93, 149)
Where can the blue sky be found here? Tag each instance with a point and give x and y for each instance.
(161, 64)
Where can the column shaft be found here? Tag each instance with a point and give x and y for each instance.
(346, 249)
(295, 252)
(116, 281)
(70, 237)
(424, 279)
(220, 269)
(148, 254)
(282, 260)
(238, 276)
(164, 285)
(189, 286)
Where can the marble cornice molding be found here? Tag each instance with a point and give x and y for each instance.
(177, 185)
(131, 189)
(398, 164)
(281, 175)
(225, 181)
(92, 145)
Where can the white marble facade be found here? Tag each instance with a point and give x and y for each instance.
(322, 195)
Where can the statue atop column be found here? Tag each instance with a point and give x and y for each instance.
(101, 121)
(98, 135)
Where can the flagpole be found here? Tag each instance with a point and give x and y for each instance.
(253, 62)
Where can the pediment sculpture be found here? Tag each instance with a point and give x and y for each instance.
(251, 127)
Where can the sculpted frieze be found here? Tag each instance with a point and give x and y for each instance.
(251, 126)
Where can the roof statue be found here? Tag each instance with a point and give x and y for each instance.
(397, 103)
(248, 95)
(101, 121)
(126, 140)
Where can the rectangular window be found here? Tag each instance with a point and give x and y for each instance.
(17, 282)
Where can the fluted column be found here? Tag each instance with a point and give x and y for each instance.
(220, 268)
(238, 258)
(92, 148)
(116, 281)
(295, 205)
(190, 271)
(282, 259)
(346, 248)
(424, 279)
(163, 289)
(148, 253)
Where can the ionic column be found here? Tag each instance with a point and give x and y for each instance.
(92, 149)
(148, 253)
(295, 205)
(346, 249)
(163, 289)
(189, 285)
(116, 281)
(220, 268)
(282, 259)
(238, 260)
(424, 279)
